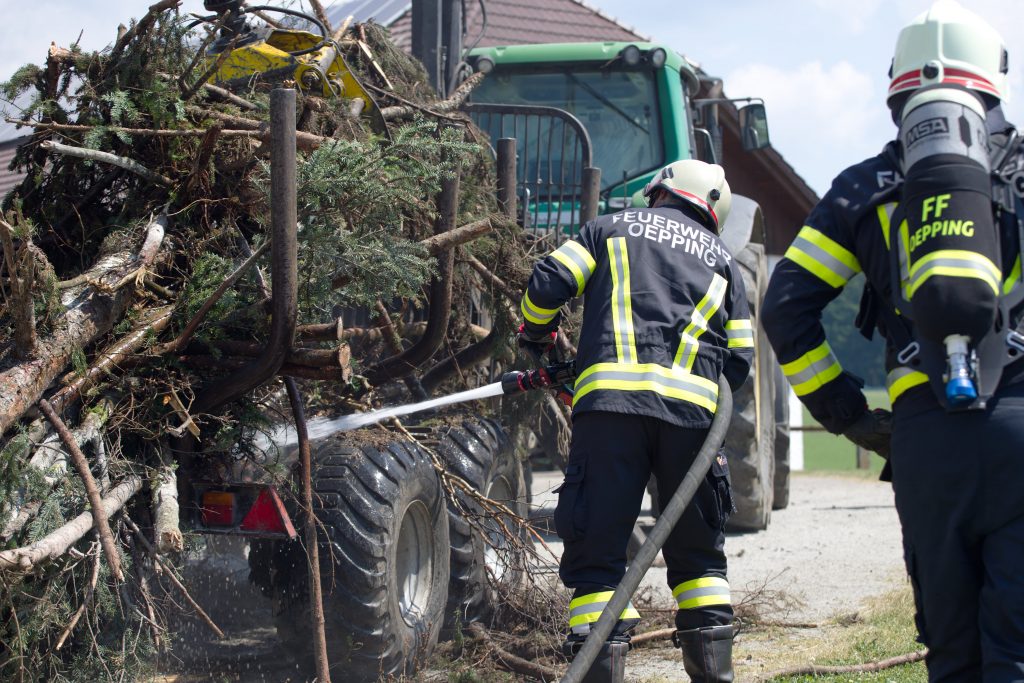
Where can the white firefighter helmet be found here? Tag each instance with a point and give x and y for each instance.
(702, 185)
(949, 44)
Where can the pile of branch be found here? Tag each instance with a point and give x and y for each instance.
(134, 295)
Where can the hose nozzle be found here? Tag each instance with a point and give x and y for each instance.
(547, 377)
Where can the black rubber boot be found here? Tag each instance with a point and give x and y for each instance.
(707, 653)
(608, 667)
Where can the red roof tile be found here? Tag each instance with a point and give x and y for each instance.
(518, 22)
(9, 179)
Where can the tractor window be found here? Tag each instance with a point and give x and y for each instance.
(618, 107)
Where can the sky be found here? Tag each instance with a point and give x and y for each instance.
(820, 65)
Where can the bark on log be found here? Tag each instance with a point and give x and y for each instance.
(90, 313)
(165, 508)
(57, 543)
(113, 356)
(20, 279)
(437, 244)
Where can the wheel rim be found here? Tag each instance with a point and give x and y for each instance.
(414, 563)
(495, 553)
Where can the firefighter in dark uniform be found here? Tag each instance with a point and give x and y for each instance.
(664, 315)
(934, 222)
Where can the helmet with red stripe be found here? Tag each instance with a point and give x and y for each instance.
(951, 45)
(698, 183)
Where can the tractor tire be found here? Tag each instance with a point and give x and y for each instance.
(750, 441)
(384, 553)
(484, 567)
(782, 468)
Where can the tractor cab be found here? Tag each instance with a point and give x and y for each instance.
(624, 108)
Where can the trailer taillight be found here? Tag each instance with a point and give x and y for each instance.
(267, 515)
(218, 508)
(244, 509)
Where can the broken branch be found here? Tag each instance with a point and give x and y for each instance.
(436, 244)
(107, 158)
(56, 543)
(99, 515)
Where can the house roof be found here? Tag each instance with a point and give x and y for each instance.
(509, 22)
(9, 179)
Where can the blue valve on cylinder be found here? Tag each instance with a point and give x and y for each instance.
(960, 389)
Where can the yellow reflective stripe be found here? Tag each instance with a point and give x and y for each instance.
(587, 609)
(622, 308)
(885, 212)
(953, 263)
(813, 370)
(823, 256)
(694, 603)
(699, 322)
(1013, 278)
(740, 334)
(672, 382)
(900, 379)
(590, 598)
(710, 590)
(703, 582)
(534, 313)
(577, 260)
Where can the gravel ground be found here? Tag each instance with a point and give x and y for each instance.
(834, 547)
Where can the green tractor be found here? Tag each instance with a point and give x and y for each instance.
(593, 122)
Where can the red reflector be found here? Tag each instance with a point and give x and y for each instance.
(218, 508)
(267, 515)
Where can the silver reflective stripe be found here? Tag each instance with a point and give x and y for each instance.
(587, 609)
(824, 258)
(702, 592)
(925, 271)
(813, 370)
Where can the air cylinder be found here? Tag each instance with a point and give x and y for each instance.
(950, 260)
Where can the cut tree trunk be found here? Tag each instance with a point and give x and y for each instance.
(91, 311)
(165, 508)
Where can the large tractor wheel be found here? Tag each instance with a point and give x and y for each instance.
(750, 441)
(781, 439)
(485, 565)
(383, 536)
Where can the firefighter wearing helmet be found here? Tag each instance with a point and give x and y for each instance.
(664, 315)
(934, 223)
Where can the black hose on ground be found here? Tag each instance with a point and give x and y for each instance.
(659, 534)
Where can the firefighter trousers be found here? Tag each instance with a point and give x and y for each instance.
(611, 459)
(959, 484)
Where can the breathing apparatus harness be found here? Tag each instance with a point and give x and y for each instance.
(956, 329)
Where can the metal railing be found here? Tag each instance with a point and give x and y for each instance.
(557, 188)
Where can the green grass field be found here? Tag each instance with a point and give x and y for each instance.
(827, 452)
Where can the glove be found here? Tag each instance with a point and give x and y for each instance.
(872, 431)
(535, 344)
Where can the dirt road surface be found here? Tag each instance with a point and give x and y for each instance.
(836, 546)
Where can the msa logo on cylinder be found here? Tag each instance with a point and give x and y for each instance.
(926, 128)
